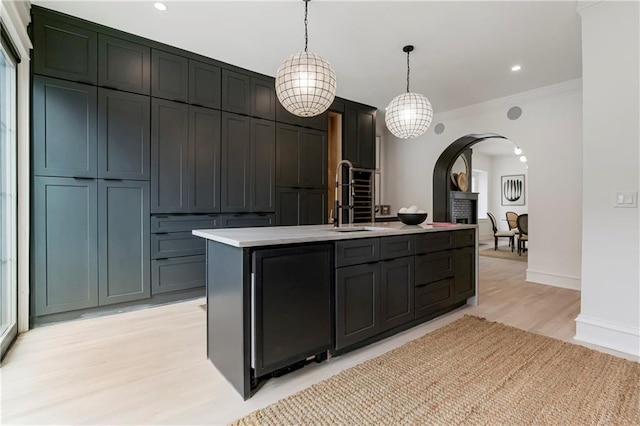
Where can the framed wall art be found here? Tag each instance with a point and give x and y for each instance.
(513, 190)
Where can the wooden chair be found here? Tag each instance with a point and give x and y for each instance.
(500, 234)
(523, 236)
(512, 221)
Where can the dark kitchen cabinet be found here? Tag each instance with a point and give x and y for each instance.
(397, 290)
(64, 50)
(124, 135)
(465, 273)
(123, 65)
(64, 128)
(319, 122)
(295, 206)
(236, 92)
(263, 166)
(243, 220)
(123, 241)
(292, 307)
(204, 84)
(65, 250)
(314, 207)
(177, 273)
(169, 157)
(204, 160)
(433, 297)
(301, 157)
(359, 135)
(435, 266)
(235, 163)
(357, 303)
(169, 76)
(263, 98)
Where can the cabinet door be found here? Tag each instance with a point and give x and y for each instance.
(357, 303)
(436, 266)
(169, 156)
(367, 138)
(204, 84)
(178, 273)
(236, 92)
(288, 155)
(263, 98)
(123, 65)
(65, 51)
(204, 160)
(64, 128)
(123, 245)
(433, 297)
(243, 220)
(465, 273)
(65, 244)
(263, 166)
(288, 203)
(124, 135)
(169, 76)
(313, 166)
(397, 290)
(235, 163)
(350, 132)
(314, 207)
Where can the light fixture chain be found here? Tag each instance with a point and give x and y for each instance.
(408, 71)
(306, 23)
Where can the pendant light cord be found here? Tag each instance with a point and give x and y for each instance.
(306, 22)
(408, 70)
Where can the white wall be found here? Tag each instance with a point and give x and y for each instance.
(549, 131)
(505, 165)
(610, 307)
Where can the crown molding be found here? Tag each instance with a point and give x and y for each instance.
(15, 16)
(587, 4)
(511, 100)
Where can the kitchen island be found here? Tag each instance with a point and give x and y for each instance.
(280, 297)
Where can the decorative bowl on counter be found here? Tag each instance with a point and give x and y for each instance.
(412, 218)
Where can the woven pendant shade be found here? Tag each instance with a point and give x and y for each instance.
(306, 84)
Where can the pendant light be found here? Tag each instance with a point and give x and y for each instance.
(306, 82)
(409, 114)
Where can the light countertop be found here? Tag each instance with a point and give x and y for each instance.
(267, 236)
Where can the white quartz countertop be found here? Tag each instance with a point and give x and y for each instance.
(267, 236)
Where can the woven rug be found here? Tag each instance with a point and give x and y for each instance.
(472, 371)
(503, 252)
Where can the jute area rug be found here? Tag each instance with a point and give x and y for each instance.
(474, 372)
(503, 252)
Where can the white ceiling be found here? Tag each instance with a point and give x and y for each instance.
(463, 50)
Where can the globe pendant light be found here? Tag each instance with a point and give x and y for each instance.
(306, 82)
(409, 114)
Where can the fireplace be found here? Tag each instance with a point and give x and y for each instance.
(463, 207)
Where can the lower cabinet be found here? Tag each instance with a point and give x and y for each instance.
(357, 303)
(396, 292)
(465, 273)
(91, 243)
(247, 220)
(178, 273)
(433, 297)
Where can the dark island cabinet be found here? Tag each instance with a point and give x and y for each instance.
(124, 65)
(359, 143)
(357, 304)
(65, 229)
(397, 290)
(296, 206)
(123, 241)
(64, 50)
(235, 163)
(236, 92)
(301, 157)
(169, 76)
(124, 135)
(169, 157)
(204, 160)
(64, 128)
(204, 84)
(465, 273)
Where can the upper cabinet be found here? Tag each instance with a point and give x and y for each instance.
(204, 84)
(263, 98)
(169, 76)
(124, 65)
(301, 157)
(236, 92)
(64, 50)
(359, 135)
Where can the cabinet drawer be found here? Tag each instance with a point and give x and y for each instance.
(178, 273)
(393, 247)
(176, 244)
(433, 297)
(435, 241)
(464, 238)
(354, 252)
(183, 223)
(247, 220)
(433, 267)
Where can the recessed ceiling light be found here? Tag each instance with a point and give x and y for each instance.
(516, 68)
(523, 159)
(517, 150)
(160, 6)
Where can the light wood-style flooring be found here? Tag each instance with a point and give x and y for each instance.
(150, 367)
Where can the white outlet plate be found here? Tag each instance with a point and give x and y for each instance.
(626, 199)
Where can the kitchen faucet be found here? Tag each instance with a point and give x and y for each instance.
(336, 203)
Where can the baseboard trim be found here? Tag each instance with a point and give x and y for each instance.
(618, 337)
(555, 280)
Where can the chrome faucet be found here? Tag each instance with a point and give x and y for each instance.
(336, 203)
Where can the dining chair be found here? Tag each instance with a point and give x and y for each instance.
(500, 234)
(512, 221)
(523, 236)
